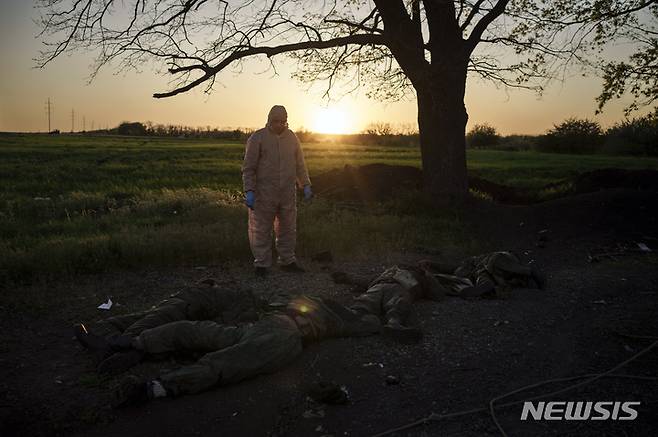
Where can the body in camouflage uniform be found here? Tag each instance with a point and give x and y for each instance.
(494, 274)
(202, 302)
(232, 351)
(115, 340)
(392, 293)
(246, 350)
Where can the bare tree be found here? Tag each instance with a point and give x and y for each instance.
(379, 128)
(393, 48)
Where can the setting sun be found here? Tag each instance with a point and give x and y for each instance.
(330, 121)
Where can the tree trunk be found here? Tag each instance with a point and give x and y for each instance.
(442, 121)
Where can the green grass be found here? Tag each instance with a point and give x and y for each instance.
(534, 170)
(74, 204)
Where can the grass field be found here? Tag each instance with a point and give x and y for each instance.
(71, 204)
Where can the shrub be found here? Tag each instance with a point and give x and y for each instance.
(379, 129)
(132, 129)
(482, 136)
(638, 136)
(517, 143)
(573, 135)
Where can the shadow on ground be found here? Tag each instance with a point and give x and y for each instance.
(376, 182)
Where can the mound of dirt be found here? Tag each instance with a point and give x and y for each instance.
(500, 193)
(370, 182)
(377, 182)
(608, 178)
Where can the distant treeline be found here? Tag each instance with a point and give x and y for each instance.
(376, 133)
(178, 131)
(637, 136)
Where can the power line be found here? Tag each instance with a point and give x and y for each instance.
(50, 109)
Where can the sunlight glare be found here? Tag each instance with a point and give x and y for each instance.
(330, 121)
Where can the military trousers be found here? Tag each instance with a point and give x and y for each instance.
(200, 303)
(386, 300)
(233, 353)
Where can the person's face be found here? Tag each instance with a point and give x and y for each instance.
(278, 124)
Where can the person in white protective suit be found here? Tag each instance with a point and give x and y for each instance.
(273, 164)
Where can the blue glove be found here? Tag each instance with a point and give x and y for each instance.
(249, 200)
(308, 193)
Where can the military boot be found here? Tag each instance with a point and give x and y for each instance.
(102, 347)
(92, 342)
(133, 391)
(95, 342)
(130, 391)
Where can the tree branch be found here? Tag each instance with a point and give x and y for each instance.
(484, 22)
(360, 39)
(360, 25)
(474, 11)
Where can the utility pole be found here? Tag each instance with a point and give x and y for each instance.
(83, 124)
(72, 120)
(92, 125)
(49, 111)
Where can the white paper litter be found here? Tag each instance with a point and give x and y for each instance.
(106, 306)
(643, 247)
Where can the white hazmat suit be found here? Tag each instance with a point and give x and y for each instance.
(273, 163)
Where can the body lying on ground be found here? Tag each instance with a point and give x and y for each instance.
(214, 320)
(242, 338)
(490, 275)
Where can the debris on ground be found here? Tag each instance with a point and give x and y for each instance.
(618, 250)
(106, 306)
(392, 380)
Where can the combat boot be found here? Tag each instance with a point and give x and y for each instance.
(130, 391)
(92, 342)
(102, 347)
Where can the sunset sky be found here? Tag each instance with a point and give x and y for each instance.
(242, 100)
